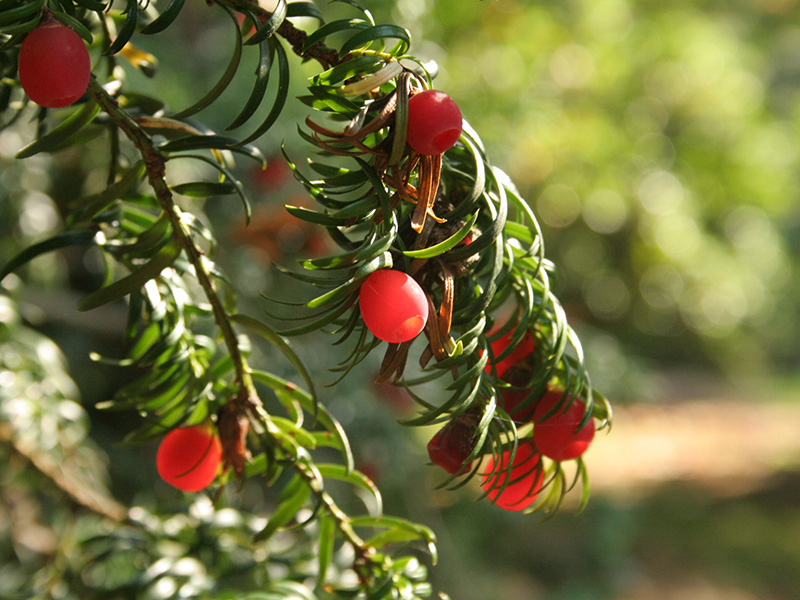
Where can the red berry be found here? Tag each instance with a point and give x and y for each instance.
(54, 65)
(512, 369)
(393, 305)
(557, 436)
(511, 401)
(520, 351)
(434, 122)
(522, 484)
(189, 458)
(451, 446)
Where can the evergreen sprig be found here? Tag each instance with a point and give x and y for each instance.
(454, 222)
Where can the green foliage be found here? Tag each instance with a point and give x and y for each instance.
(456, 223)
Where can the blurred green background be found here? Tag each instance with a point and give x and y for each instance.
(657, 141)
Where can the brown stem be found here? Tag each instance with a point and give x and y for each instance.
(327, 57)
(247, 400)
(156, 170)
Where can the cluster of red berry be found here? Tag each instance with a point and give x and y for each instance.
(54, 66)
(393, 305)
(395, 309)
(558, 433)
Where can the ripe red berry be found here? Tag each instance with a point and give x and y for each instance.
(517, 405)
(434, 122)
(514, 370)
(54, 65)
(189, 458)
(393, 305)
(522, 484)
(557, 436)
(520, 351)
(451, 446)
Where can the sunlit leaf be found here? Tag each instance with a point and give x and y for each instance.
(126, 285)
(365, 38)
(445, 245)
(268, 29)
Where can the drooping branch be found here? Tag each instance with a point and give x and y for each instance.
(155, 171)
(246, 404)
(297, 38)
(46, 465)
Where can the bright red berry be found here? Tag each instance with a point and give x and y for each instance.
(451, 446)
(558, 436)
(434, 122)
(393, 305)
(522, 484)
(517, 405)
(54, 65)
(520, 351)
(189, 458)
(514, 370)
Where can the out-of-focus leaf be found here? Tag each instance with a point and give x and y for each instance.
(141, 59)
(202, 142)
(290, 502)
(21, 13)
(229, 177)
(146, 104)
(360, 7)
(90, 206)
(226, 78)
(204, 189)
(390, 523)
(169, 128)
(95, 5)
(303, 437)
(62, 240)
(326, 544)
(356, 478)
(288, 391)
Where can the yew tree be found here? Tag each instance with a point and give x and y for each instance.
(439, 269)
